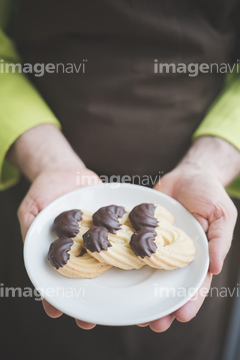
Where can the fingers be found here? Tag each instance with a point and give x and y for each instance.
(161, 325)
(26, 213)
(25, 220)
(55, 313)
(51, 310)
(165, 185)
(143, 325)
(85, 325)
(190, 309)
(165, 188)
(186, 312)
(220, 235)
(25, 224)
(203, 222)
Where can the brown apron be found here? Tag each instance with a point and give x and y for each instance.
(120, 116)
(122, 119)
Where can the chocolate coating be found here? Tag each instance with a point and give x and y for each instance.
(107, 217)
(142, 242)
(66, 223)
(82, 253)
(96, 239)
(142, 216)
(58, 252)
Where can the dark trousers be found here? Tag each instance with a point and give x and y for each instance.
(26, 331)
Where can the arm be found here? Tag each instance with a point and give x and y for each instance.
(223, 120)
(215, 156)
(21, 109)
(198, 183)
(46, 158)
(223, 117)
(43, 148)
(30, 141)
(48, 161)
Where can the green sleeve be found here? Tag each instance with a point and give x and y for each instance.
(223, 120)
(21, 108)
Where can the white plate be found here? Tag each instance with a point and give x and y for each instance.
(117, 297)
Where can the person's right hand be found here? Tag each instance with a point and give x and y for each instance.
(47, 186)
(46, 158)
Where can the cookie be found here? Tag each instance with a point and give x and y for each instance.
(68, 223)
(149, 216)
(165, 247)
(70, 259)
(112, 249)
(111, 217)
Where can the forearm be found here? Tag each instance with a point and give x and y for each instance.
(43, 148)
(215, 156)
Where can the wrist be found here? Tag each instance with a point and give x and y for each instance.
(43, 148)
(214, 157)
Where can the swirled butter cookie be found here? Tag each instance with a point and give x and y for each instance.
(165, 247)
(70, 259)
(149, 216)
(68, 223)
(111, 217)
(111, 248)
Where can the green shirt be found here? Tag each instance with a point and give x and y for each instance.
(22, 108)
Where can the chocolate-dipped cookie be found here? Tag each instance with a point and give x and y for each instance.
(111, 248)
(70, 259)
(67, 224)
(147, 215)
(111, 217)
(165, 247)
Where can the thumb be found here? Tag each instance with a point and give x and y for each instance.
(220, 234)
(26, 213)
(165, 184)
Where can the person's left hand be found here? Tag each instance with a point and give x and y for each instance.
(205, 197)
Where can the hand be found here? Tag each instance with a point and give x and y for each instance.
(45, 188)
(46, 158)
(201, 191)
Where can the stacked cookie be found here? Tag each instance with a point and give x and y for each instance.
(89, 244)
